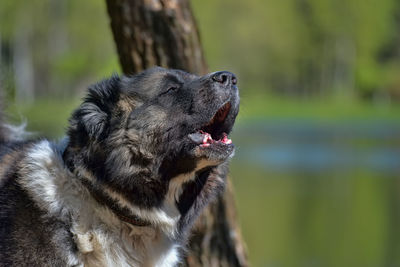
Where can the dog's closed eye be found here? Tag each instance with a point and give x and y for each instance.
(170, 89)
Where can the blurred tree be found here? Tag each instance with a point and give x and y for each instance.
(164, 33)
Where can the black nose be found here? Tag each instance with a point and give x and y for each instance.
(225, 78)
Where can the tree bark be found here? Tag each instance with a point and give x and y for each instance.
(165, 33)
(156, 32)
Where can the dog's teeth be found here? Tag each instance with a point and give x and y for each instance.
(206, 138)
(226, 140)
(201, 138)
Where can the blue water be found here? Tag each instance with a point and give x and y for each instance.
(309, 146)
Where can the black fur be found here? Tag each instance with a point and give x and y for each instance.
(132, 135)
(157, 151)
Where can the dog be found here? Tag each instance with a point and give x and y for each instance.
(143, 155)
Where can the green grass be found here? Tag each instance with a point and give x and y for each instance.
(330, 109)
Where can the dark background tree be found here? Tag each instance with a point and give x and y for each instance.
(164, 33)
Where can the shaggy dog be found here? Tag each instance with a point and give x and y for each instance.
(142, 157)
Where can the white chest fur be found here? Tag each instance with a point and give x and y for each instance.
(132, 246)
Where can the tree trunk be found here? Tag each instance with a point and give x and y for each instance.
(164, 33)
(156, 32)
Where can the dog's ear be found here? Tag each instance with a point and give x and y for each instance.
(94, 113)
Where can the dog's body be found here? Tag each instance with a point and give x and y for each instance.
(139, 163)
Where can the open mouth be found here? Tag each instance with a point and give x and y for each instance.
(213, 132)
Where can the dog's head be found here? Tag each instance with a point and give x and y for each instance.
(138, 135)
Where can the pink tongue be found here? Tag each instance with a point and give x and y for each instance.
(207, 139)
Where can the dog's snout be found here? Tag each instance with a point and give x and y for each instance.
(225, 78)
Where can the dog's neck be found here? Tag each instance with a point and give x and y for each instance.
(122, 213)
(86, 178)
(178, 208)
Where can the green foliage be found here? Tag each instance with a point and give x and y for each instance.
(70, 42)
(305, 47)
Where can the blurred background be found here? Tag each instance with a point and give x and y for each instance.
(317, 166)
